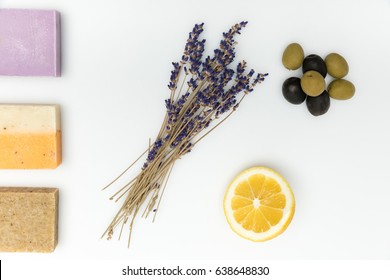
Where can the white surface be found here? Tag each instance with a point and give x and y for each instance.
(116, 63)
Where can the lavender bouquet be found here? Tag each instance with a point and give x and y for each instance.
(203, 94)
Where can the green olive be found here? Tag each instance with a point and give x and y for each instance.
(336, 65)
(293, 56)
(341, 89)
(312, 83)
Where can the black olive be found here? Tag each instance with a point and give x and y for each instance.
(318, 105)
(316, 63)
(292, 90)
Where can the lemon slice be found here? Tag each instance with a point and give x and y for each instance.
(259, 204)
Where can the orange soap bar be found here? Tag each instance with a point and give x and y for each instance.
(28, 219)
(30, 136)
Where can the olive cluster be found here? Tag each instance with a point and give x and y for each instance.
(312, 86)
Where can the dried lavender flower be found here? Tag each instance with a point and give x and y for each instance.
(202, 91)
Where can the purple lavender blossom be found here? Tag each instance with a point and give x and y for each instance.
(192, 42)
(212, 89)
(174, 75)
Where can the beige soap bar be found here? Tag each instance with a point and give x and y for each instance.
(30, 136)
(28, 219)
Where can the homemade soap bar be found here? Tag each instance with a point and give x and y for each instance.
(28, 219)
(30, 136)
(29, 42)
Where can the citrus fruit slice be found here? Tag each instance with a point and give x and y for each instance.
(259, 204)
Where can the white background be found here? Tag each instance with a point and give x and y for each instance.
(116, 63)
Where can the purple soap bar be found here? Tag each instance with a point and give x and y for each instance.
(29, 42)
